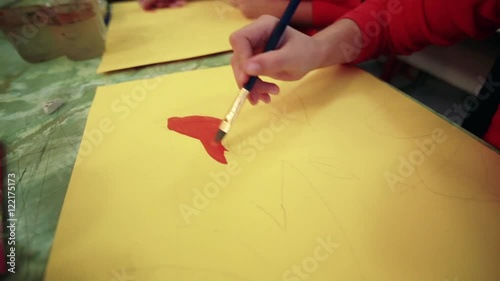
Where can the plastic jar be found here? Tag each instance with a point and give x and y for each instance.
(74, 28)
(81, 30)
(31, 31)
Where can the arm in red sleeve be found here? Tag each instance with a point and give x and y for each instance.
(406, 26)
(326, 12)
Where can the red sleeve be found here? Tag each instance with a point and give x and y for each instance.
(326, 12)
(493, 134)
(406, 26)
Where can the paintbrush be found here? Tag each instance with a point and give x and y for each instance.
(272, 43)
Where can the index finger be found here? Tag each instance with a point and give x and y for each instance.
(251, 37)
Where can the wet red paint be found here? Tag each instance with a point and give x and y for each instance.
(203, 128)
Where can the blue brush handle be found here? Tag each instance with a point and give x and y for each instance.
(275, 37)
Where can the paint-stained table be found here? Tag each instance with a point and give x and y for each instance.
(41, 149)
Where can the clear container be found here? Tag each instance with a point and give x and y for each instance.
(81, 30)
(48, 29)
(30, 31)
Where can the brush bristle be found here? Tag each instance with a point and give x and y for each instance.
(220, 135)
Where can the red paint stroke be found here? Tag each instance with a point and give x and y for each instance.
(203, 128)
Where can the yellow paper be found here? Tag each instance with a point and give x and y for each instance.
(305, 194)
(137, 38)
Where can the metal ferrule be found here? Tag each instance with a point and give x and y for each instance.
(235, 109)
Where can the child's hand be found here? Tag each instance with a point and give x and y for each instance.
(297, 55)
(154, 4)
(256, 8)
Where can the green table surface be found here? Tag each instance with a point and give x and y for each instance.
(41, 149)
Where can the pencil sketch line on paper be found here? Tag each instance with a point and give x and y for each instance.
(332, 213)
(451, 196)
(345, 170)
(305, 111)
(282, 225)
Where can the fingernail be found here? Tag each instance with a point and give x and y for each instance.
(253, 68)
(274, 90)
(266, 99)
(253, 98)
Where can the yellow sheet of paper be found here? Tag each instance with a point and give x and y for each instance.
(306, 194)
(138, 38)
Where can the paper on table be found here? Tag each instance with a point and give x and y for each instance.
(137, 38)
(304, 194)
